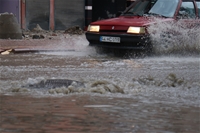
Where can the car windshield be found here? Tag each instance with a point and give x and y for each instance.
(165, 8)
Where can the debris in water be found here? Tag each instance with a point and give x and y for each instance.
(74, 30)
(174, 80)
(55, 83)
(19, 90)
(104, 86)
(37, 28)
(6, 52)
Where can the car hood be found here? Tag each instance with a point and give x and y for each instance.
(130, 21)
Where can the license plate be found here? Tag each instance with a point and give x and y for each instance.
(110, 39)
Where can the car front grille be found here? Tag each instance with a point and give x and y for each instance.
(114, 31)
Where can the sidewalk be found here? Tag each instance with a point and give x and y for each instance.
(58, 43)
(33, 44)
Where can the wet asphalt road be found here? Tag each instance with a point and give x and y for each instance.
(138, 95)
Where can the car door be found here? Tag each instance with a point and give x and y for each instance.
(188, 13)
(198, 8)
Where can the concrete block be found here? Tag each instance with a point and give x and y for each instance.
(9, 27)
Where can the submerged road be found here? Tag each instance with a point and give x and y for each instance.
(135, 95)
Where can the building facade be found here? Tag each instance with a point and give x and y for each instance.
(61, 14)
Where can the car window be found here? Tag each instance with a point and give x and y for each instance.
(198, 6)
(141, 7)
(187, 10)
(165, 8)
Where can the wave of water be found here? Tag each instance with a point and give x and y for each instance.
(172, 88)
(175, 37)
(166, 37)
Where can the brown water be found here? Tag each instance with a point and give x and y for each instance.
(147, 95)
(89, 114)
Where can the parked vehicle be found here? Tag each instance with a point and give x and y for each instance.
(130, 29)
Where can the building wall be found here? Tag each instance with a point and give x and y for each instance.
(66, 13)
(37, 12)
(69, 13)
(1, 3)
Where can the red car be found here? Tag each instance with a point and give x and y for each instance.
(130, 29)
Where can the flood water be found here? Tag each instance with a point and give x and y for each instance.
(116, 94)
(88, 114)
(158, 94)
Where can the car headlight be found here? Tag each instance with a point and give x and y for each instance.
(136, 30)
(93, 28)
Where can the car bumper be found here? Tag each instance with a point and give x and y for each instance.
(127, 41)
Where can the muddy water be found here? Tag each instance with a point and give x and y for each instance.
(88, 114)
(145, 95)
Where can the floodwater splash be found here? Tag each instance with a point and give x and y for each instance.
(175, 37)
(73, 42)
(73, 45)
(169, 87)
